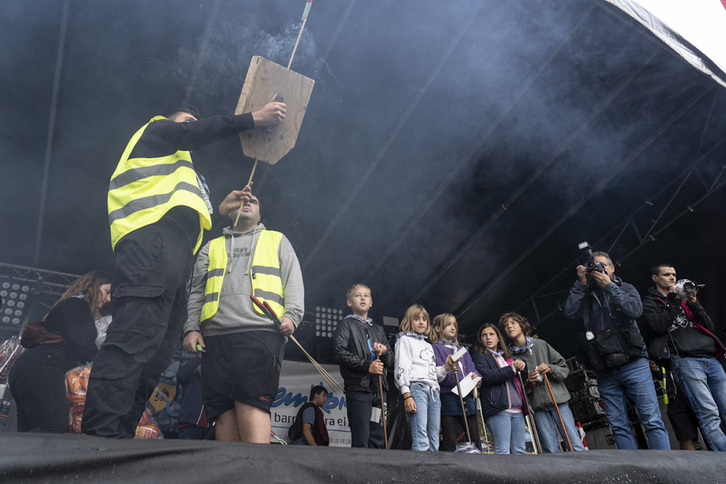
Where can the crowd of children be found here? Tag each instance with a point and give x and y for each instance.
(515, 374)
(434, 374)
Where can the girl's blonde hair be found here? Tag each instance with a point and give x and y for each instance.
(411, 313)
(353, 288)
(441, 322)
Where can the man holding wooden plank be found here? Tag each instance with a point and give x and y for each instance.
(158, 208)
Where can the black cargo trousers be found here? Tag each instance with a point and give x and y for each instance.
(153, 266)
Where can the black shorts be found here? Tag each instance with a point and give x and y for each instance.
(241, 367)
(682, 417)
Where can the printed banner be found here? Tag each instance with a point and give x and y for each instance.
(296, 380)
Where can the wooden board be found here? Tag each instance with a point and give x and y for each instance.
(264, 80)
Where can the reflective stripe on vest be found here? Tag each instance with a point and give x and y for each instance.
(265, 273)
(142, 190)
(215, 277)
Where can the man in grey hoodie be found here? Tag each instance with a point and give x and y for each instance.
(243, 350)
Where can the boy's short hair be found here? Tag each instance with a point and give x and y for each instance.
(440, 322)
(523, 323)
(317, 390)
(655, 270)
(412, 312)
(351, 290)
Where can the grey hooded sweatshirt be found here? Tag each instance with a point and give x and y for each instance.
(236, 312)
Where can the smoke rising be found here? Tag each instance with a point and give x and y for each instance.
(469, 128)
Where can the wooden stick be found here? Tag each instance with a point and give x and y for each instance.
(297, 42)
(326, 376)
(383, 408)
(254, 167)
(308, 4)
(270, 313)
(480, 414)
(463, 407)
(530, 418)
(323, 372)
(562, 422)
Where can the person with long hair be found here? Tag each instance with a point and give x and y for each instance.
(446, 334)
(542, 359)
(37, 379)
(418, 377)
(502, 399)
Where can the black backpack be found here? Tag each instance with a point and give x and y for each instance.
(295, 430)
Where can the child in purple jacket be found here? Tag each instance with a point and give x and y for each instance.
(446, 330)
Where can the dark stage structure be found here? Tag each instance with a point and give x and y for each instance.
(453, 154)
(470, 148)
(64, 458)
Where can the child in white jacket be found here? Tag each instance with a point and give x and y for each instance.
(418, 377)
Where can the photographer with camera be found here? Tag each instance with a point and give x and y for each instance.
(683, 334)
(611, 345)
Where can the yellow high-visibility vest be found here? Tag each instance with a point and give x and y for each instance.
(142, 190)
(264, 273)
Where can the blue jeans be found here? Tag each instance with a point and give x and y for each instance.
(704, 381)
(634, 379)
(508, 432)
(548, 424)
(425, 423)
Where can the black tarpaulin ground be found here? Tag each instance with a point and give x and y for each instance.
(77, 458)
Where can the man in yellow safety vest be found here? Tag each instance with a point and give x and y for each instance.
(243, 350)
(157, 207)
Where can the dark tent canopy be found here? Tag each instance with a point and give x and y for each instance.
(452, 154)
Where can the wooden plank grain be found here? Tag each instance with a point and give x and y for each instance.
(265, 79)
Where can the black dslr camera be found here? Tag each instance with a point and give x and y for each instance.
(590, 263)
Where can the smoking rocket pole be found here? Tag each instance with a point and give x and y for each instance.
(308, 5)
(267, 80)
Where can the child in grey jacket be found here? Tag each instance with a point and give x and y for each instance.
(543, 360)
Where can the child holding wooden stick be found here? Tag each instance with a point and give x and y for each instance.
(418, 377)
(362, 351)
(446, 331)
(543, 360)
(502, 398)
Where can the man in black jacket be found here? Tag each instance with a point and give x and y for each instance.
(358, 344)
(608, 308)
(683, 332)
(158, 208)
